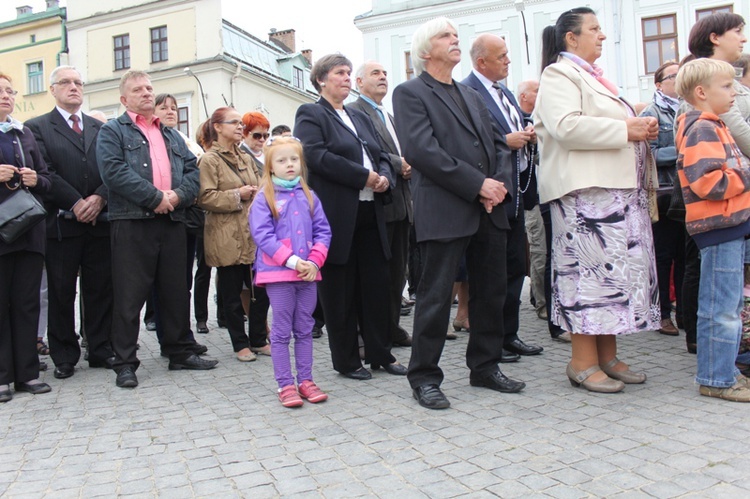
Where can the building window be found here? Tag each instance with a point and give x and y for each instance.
(122, 52)
(298, 79)
(659, 41)
(409, 66)
(183, 120)
(32, 38)
(701, 13)
(159, 51)
(35, 77)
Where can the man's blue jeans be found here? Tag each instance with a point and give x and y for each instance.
(719, 306)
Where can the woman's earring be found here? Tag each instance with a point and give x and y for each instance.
(323, 84)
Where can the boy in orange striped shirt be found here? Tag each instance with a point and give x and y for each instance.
(715, 181)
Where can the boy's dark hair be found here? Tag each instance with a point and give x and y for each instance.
(280, 130)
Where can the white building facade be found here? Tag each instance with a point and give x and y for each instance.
(227, 66)
(641, 34)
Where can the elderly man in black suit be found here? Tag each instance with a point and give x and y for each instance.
(77, 227)
(461, 167)
(489, 56)
(372, 83)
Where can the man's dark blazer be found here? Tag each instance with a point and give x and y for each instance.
(401, 207)
(334, 162)
(443, 147)
(473, 82)
(73, 171)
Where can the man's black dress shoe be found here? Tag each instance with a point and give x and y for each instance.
(106, 363)
(317, 332)
(499, 382)
(198, 349)
(360, 374)
(431, 397)
(34, 389)
(521, 348)
(506, 357)
(6, 395)
(193, 362)
(395, 368)
(64, 371)
(126, 378)
(202, 328)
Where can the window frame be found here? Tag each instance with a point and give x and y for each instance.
(35, 80)
(159, 45)
(699, 13)
(183, 125)
(298, 78)
(409, 65)
(123, 50)
(659, 37)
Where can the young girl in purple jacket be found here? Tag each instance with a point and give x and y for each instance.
(292, 234)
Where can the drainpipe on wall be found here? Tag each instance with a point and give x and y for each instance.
(64, 37)
(617, 17)
(233, 81)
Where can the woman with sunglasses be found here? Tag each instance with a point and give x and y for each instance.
(669, 235)
(254, 136)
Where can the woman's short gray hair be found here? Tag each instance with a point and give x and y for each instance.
(420, 41)
(322, 66)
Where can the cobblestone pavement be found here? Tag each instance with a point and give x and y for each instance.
(223, 433)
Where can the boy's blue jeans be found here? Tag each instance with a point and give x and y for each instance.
(719, 306)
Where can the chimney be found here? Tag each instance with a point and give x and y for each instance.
(307, 54)
(284, 39)
(23, 11)
(53, 4)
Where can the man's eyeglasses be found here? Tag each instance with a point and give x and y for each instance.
(259, 136)
(8, 91)
(65, 83)
(670, 77)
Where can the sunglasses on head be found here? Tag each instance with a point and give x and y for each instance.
(259, 136)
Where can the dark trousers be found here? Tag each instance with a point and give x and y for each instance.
(231, 279)
(669, 247)
(398, 238)
(485, 263)
(355, 295)
(202, 283)
(554, 329)
(64, 258)
(258, 317)
(690, 286)
(318, 315)
(515, 258)
(146, 253)
(20, 280)
(415, 262)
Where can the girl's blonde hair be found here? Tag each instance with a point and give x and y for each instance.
(267, 184)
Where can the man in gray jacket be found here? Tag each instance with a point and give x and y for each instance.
(151, 177)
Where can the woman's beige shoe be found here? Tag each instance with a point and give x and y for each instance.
(578, 379)
(245, 355)
(628, 376)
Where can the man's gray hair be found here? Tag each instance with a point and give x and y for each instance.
(53, 74)
(361, 70)
(420, 41)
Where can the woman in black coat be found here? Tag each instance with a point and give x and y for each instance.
(21, 262)
(353, 179)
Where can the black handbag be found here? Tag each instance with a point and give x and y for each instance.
(19, 213)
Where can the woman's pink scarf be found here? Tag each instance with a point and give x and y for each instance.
(593, 70)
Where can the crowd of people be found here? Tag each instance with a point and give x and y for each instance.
(322, 222)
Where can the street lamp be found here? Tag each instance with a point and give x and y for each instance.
(189, 72)
(520, 7)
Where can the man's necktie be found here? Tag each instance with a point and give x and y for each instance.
(76, 127)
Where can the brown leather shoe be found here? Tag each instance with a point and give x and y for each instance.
(668, 328)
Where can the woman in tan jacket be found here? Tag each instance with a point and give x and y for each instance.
(229, 181)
